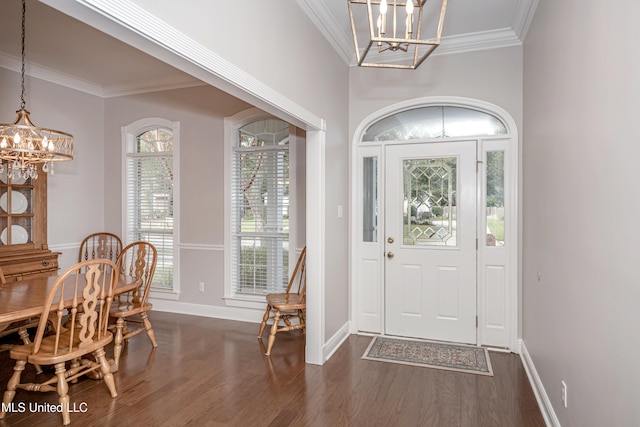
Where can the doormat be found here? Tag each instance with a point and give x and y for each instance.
(430, 354)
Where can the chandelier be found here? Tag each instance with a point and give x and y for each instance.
(394, 39)
(24, 146)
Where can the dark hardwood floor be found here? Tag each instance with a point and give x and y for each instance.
(210, 372)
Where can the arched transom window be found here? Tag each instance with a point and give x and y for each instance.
(434, 122)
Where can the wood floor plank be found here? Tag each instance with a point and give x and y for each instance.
(212, 372)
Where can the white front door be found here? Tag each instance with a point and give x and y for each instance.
(430, 241)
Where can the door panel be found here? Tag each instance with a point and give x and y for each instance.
(430, 241)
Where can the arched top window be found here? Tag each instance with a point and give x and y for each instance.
(434, 122)
(267, 132)
(151, 207)
(157, 140)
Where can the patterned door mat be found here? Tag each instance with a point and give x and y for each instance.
(430, 354)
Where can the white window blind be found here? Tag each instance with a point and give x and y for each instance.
(260, 208)
(150, 199)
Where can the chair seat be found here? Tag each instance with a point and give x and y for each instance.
(46, 357)
(286, 301)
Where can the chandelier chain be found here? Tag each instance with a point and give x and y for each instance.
(24, 10)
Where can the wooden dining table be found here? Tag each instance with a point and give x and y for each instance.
(25, 299)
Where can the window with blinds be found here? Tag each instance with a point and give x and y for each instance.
(260, 208)
(149, 195)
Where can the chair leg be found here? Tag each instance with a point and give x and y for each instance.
(105, 368)
(24, 336)
(10, 393)
(264, 321)
(303, 321)
(63, 392)
(74, 364)
(274, 330)
(117, 347)
(148, 328)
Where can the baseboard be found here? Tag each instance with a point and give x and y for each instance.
(228, 313)
(335, 341)
(242, 315)
(544, 403)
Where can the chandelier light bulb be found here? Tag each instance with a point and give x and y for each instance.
(382, 19)
(409, 7)
(17, 138)
(4, 143)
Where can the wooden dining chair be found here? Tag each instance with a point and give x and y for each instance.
(138, 259)
(19, 327)
(83, 293)
(288, 305)
(100, 245)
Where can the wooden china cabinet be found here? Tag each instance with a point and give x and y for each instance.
(24, 252)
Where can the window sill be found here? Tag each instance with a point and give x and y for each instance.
(245, 302)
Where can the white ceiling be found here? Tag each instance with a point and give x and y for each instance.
(66, 51)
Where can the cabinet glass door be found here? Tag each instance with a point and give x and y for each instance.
(16, 210)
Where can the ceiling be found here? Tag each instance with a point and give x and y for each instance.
(68, 52)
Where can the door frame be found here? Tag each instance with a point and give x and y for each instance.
(362, 293)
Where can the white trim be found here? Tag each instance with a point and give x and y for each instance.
(103, 91)
(50, 75)
(316, 246)
(330, 28)
(129, 133)
(216, 312)
(231, 126)
(542, 398)
(144, 31)
(483, 40)
(65, 247)
(524, 15)
(201, 247)
(245, 303)
(336, 341)
(514, 283)
(164, 294)
(157, 38)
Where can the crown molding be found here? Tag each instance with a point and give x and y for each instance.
(44, 73)
(326, 22)
(342, 42)
(146, 86)
(523, 17)
(103, 91)
(483, 40)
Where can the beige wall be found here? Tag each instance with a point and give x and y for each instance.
(581, 83)
(493, 76)
(200, 111)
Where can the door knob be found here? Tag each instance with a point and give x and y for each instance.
(390, 254)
